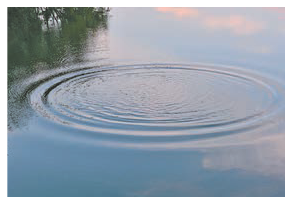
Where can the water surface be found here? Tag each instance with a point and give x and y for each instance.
(150, 102)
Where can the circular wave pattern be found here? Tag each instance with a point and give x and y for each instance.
(158, 102)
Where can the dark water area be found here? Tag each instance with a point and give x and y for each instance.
(149, 102)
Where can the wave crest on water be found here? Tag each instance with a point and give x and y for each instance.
(159, 103)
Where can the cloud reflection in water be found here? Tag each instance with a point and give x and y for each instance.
(237, 24)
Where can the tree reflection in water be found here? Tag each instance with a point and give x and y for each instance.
(44, 39)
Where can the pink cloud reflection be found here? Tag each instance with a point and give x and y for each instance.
(279, 10)
(276, 9)
(236, 23)
(178, 12)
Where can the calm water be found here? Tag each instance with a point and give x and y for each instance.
(151, 102)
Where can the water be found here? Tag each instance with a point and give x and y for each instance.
(151, 102)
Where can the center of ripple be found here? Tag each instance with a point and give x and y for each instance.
(156, 101)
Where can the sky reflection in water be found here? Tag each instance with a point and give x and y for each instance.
(70, 161)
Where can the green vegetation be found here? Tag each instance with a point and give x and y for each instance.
(49, 37)
(29, 42)
(32, 17)
(46, 38)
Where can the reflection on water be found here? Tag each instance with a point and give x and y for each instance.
(127, 110)
(237, 24)
(158, 103)
(266, 157)
(32, 54)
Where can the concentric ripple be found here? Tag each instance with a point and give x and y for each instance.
(158, 102)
